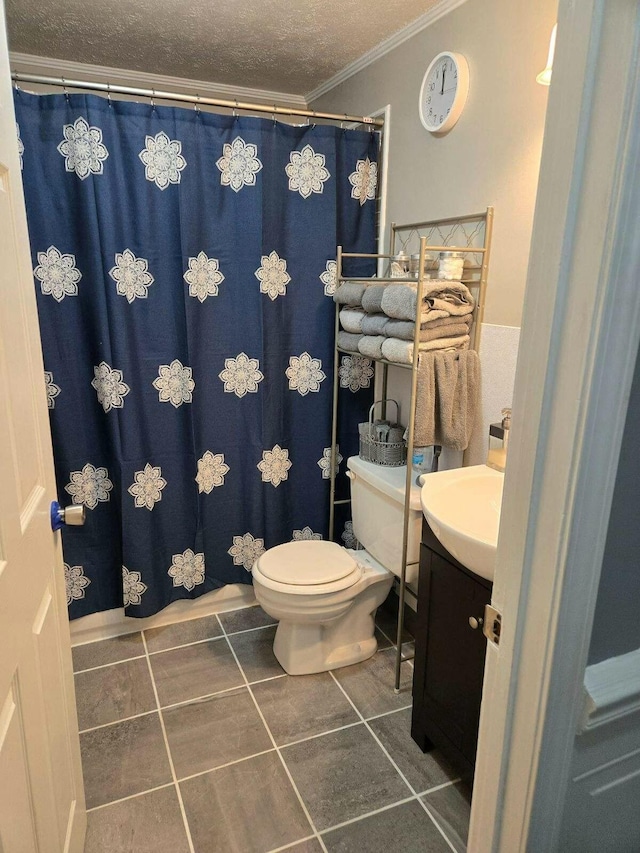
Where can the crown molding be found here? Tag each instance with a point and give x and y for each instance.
(50, 67)
(435, 13)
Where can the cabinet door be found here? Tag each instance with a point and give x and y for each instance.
(454, 656)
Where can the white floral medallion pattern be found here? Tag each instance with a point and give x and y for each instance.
(325, 463)
(211, 471)
(246, 550)
(174, 383)
(20, 145)
(57, 274)
(273, 276)
(109, 387)
(83, 149)
(52, 389)
(147, 486)
(239, 164)
(275, 465)
(187, 569)
(89, 486)
(162, 160)
(306, 172)
(241, 375)
(356, 372)
(131, 275)
(349, 537)
(364, 181)
(203, 276)
(330, 278)
(132, 587)
(305, 535)
(305, 374)
(75, 582)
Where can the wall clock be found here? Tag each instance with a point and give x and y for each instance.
(444, 91)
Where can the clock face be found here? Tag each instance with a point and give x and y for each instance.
(444, 92)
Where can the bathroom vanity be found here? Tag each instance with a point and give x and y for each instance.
(450, 653)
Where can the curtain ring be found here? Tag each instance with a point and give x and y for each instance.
(109, 94)
(235, 110)
(196, 106)
(153, 102)
(314, 115)
(64, 88)
(274, 114)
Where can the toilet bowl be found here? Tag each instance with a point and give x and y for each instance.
(325, 596)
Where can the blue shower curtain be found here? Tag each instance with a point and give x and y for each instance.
(184, 264)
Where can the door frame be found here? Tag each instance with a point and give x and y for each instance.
(568, 421)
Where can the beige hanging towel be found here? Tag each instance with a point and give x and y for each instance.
(447, 398)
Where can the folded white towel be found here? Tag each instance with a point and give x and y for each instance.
(371, 345)
(351, 320)
(349, 293)
(346, 340)
(372, 298)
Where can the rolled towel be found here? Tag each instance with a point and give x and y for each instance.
(404, 329)
(393, 349)
(351, 320)
(348, 341)
(447, 398)
(349, 293)
(372, 298)
(440, 299)
(371, 345)
(374, 324)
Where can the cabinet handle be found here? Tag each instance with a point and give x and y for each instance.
(475, 623)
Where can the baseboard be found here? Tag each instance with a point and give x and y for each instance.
(113, 623)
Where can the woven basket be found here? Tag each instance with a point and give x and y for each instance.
(391, 454)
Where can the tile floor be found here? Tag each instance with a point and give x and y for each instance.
(194, 740)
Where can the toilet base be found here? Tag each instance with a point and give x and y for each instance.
(305, 649)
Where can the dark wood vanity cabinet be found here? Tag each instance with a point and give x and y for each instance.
(449, 661)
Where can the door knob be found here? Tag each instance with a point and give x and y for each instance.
(71, 515)
(475, 623)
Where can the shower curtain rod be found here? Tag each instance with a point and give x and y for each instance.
(274, 110)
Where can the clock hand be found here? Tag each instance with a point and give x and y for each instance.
(444, 71)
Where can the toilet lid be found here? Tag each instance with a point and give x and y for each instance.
(307, 563)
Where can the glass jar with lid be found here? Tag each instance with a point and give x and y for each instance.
(399, 266)
(451, 266)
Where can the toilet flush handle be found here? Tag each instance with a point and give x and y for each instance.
(351, 475)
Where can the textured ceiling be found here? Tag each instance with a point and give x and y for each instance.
(264, 44)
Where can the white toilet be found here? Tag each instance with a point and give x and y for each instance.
(325, 596)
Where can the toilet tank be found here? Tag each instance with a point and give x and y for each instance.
(377, 507)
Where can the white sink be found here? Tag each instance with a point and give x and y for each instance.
(462, 507)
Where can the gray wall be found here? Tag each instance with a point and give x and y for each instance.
(492, 155)
(616, 627)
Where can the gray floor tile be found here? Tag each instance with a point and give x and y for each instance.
(451, 807)
(311, 845)
(405, 828)
(123, 759)
(193, 671)
(211, 732)
(245, 618)
(423, 770)
(370, 684)
(383, 641)
(298, 706)
(387, 621)
(151, 823)
(343, 775)
(113, 692)
(248, 807)
(182, 633)
(255, 653)
(107, 651)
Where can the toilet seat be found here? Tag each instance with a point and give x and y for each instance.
(307, 568)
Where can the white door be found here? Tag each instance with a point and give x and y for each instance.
(41, 794)
(580, 334)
